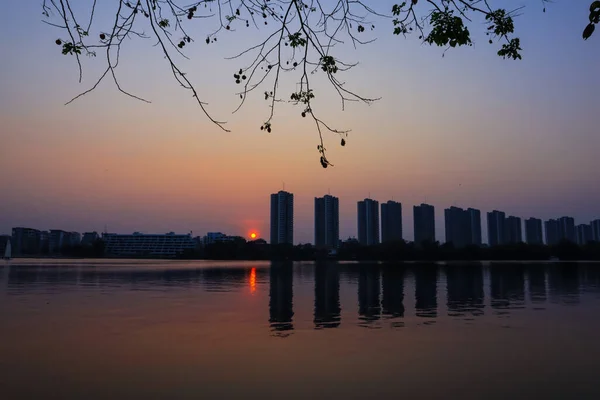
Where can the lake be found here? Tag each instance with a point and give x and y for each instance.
(108, 329)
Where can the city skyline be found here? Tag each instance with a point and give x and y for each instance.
(110, 160)
(460, 226)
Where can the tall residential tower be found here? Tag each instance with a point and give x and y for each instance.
(496, 227)
(463, 227)
(424, 223)
(282, 218)
(368, 222)
(552, 232)
(391, 221)
(533, 231)
(327, 222)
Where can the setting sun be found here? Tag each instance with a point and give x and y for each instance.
(253, 235)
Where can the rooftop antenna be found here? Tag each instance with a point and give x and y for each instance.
(369, 195)
(329, 191)
(283, 183)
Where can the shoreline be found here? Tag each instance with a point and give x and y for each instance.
(101, 259)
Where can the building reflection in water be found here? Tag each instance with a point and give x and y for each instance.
(507, 283)
(327, 296)
(281, 297)
(392, 300)
(536, 279)
(369, 307)
(381, 289)
(465, 290)
(590, 278)
(426, 290)
(563, 282)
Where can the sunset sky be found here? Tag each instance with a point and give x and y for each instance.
(467, 129)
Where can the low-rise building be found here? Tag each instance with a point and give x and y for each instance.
(216, 237)
(166, 245)
(3, 241)
(25, 241)
(89, 238)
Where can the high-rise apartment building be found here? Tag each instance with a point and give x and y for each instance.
(327, 222)
(595, 230)
(391, 221)
(533, 231)
(474, 217)
(513, 230)
(463, 227)
(583, 234)
(566, 229)
(552, 232)
(457, 226)
(424, 223)
(496, 227)
(282, 218)
(368, 222)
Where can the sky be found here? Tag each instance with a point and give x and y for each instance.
(468, 129)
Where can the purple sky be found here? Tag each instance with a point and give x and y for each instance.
(468, 129)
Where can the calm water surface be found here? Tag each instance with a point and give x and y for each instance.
(203, 330)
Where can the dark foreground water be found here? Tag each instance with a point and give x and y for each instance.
(204, 330)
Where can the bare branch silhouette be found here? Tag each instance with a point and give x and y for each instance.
(302, 36)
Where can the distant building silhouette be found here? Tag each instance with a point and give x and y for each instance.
(474, 216)
(89, 238)
(552, 232)
(44, 242)
(496, 227)
(60, 239)
(391, 221)
(282, 218)
(4, 239)
(583, 234)
(457, 226)
(566, 229)
(327, 222)
(463, 227)
(595, 230)
(368, 222)
(25, 241)
(166, 245)
(216, 237)
(513, 230)
(533, 231)
(424, 223)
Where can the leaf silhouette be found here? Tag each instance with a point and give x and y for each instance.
(587, 32)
